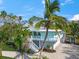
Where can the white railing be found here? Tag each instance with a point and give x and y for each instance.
(59, 37)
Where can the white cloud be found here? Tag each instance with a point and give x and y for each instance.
(75, 17)
(43, 1)
(1, 2)
(28, 8)
(66, 2)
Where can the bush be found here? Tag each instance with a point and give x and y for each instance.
(48, 46)
(11, 44)
(28, 50)
(45, 57)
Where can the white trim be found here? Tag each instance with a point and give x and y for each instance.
(45, 30)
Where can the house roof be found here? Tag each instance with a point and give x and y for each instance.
(43, 30)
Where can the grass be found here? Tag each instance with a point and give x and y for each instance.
(42, 58)
(6, 58)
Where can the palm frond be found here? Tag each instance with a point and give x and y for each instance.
(40, 24)
(47, 9)
(54, 6)
(51, 8)
(58, 22)
(34, 19)
(47, 3)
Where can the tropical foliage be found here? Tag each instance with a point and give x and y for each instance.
(13, 31)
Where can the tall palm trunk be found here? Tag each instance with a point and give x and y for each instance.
(42, 47)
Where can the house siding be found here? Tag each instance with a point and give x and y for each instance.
(38, 37)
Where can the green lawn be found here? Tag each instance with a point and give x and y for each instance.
(6, 58)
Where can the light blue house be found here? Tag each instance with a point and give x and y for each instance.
(52, 40)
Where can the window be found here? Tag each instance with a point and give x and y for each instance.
(37, 34)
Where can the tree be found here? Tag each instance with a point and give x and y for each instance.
(2, 16)
(14, 32)
(17, 34)
(50, 20)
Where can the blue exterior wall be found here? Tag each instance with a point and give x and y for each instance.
(38, 38)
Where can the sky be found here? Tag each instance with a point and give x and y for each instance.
(29, 8)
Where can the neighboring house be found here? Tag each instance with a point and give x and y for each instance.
(71, 40)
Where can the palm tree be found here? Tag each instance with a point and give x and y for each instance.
(50, 20)
(3, 15)
(21, 40)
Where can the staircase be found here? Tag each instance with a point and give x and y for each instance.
(33, 46)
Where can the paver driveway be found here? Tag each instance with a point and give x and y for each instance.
(64, 51)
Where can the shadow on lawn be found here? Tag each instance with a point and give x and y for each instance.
(72, 52)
